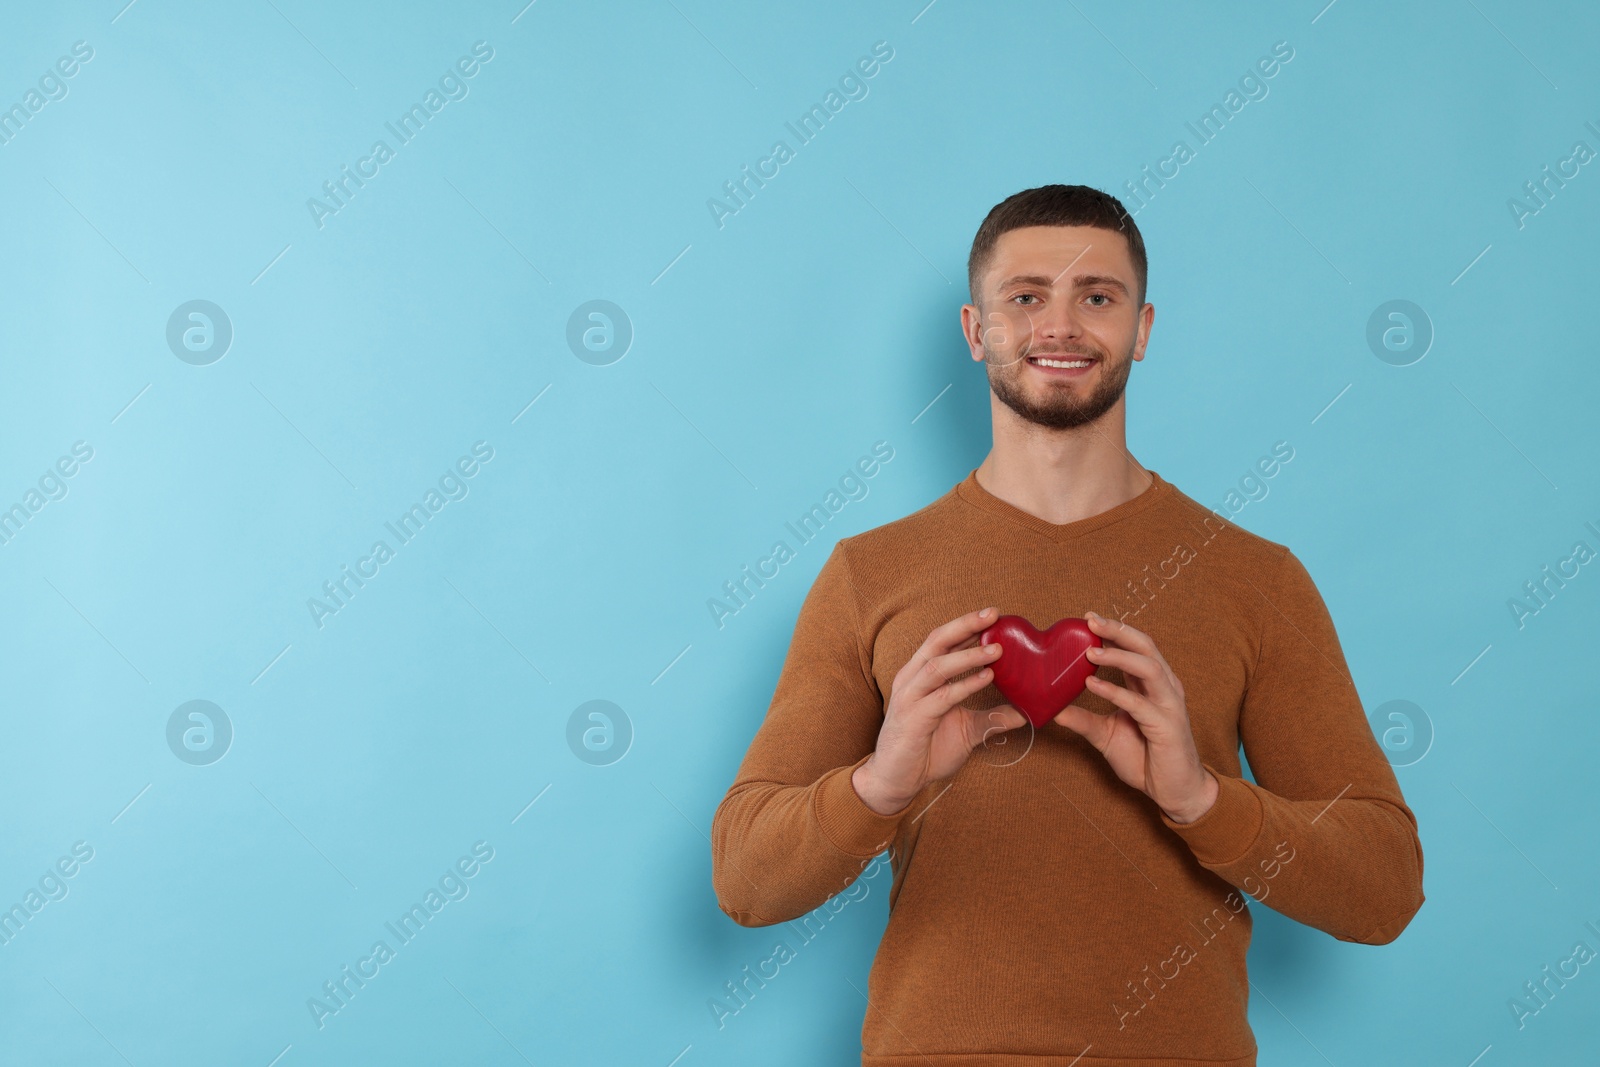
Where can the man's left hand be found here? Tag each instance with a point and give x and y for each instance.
(1147, 740)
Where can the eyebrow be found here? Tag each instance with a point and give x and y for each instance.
(1081, 281)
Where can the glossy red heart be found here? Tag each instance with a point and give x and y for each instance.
(1041, 673)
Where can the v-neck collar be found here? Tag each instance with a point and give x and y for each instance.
(969, 490)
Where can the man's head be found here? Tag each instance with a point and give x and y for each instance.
(1058, 273)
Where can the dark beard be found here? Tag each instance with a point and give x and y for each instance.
(1065, 412)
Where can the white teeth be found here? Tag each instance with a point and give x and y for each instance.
(1062, 362)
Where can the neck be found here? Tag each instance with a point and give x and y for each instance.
(1061, 476)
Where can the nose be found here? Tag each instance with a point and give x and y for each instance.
(1057, 321)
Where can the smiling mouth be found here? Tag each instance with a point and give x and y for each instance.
(1062, 363)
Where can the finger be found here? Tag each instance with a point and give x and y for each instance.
(958, 630)
(1130, 663)
(938, 701)
(1142, 710)
(920, 674)
(959, 662)
(940, 671)
(1150, 667)
(1124, 635)
(924, 672)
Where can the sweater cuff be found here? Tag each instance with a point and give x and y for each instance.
(846, 821)
(1228, 828)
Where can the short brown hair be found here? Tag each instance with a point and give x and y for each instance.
(1055, 205)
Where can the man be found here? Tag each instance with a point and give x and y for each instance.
(1074, 895)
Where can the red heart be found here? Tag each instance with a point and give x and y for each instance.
(1041, 673)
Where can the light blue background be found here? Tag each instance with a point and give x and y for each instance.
(768, 355)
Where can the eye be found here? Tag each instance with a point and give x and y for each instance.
(1025, 296)
(1103, 296)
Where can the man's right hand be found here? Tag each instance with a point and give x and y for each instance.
(926, 734)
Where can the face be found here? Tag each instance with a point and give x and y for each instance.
(1057, 323)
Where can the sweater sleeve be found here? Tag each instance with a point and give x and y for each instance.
(1323, 834)
(792, 831)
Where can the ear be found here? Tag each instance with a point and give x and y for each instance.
(972, 330)
(1147, 318)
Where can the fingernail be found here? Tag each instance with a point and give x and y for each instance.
(985, 613)
(984, 673)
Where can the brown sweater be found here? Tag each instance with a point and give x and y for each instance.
(1042, 912)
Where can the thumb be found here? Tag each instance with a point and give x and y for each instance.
(1080, 720)
(991, 721)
